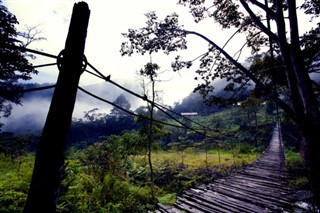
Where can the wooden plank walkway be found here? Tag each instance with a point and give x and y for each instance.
(260, 187)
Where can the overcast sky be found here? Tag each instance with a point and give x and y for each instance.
(108, 20)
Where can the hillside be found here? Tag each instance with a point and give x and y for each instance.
(112, 173)
(30, 116)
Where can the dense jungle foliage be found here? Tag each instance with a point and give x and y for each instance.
(107, 169)
(112, 174)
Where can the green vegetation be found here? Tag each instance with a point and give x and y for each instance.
(97, 181)
(15, 176)
(294, 164)
(298, 177)
(113, 174)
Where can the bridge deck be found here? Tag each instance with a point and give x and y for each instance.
(260, 187)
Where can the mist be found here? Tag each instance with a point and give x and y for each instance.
(29, 118)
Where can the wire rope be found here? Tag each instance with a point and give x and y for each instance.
(4, 92)
(127, 111)
(108, 79)
(158, 106)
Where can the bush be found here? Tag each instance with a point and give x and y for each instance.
(167, 199)
(246, 148)
(294, 165)
(15, 178)
(294, 162)
(86, 193)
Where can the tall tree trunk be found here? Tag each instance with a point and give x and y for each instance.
(303, 98)
(284, 48)
(309, 149)
(310, 144)
(150, 137)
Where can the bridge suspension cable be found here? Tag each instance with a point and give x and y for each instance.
(6, 92)
(144, 98)
(98, 74)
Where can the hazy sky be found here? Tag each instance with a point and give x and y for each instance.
(108, 20)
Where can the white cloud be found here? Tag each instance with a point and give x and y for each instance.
(107, 21)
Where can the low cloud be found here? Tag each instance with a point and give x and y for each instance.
(30, 117)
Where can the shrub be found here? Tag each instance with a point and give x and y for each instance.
(15, 178)
(294, 165)
(88, 194)
(167, 199)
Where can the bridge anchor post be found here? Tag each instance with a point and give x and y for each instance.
(49, 163)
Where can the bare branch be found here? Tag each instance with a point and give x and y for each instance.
(31, 34)
(271, 13)
(245, 71)
(257, 21)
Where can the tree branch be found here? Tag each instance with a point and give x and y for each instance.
(258, 22)
(271, 13)
(245, 71)
(231, 59)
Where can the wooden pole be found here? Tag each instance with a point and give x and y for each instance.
(44, 188)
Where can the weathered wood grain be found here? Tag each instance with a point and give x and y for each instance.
(260, 187)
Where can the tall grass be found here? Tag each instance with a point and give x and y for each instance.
(198, 159)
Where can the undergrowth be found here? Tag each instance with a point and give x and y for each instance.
(298, 176)
(82, 191)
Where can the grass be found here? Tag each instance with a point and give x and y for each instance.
(294, 164)
(83, 193)
(15, 177)
(167, 199)
(196, 159)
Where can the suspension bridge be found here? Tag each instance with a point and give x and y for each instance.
(260, 187)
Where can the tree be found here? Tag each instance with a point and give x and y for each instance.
(169, 36)
(111, 155)
(91, 115)
(251, 105)
(150, 72)
(14, 64)
(122, 102)
(149, 76)
(119, 120)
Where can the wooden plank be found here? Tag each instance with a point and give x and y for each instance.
(259, 179)
(260, 187)
(244, 183)
(221, 200)
(167, 209)
(261, 200)
(270, 193)
(188, 206)
(205, 204)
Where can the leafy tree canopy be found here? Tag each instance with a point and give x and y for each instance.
(311, 7)
(253, 20)
(169, 36)
(14, 65)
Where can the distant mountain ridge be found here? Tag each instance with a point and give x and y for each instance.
(31, 115)
(104, 90)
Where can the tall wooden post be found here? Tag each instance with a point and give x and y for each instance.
(44, 188)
